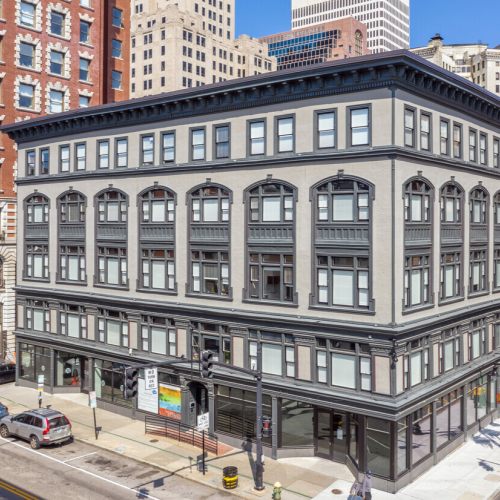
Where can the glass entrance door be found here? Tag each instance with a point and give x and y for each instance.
(331, 434)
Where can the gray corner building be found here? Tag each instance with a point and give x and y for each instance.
(345, 216)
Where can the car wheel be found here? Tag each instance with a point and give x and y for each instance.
(34, 443)
(4, 432)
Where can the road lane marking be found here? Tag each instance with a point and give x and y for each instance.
(16, 491)
(139, 493)
(76, 458)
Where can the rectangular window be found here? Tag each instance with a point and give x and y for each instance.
(496, 153)
(451, 275)
(271, 277)
(222, 142)
(116, 80)
(158, 267)
(103, 154)
(84, 32)
(56, 101)
(168, 147)
(343, 370)
(417, 281)
(326, 130)
(290, 361)
(81, 156)
(425, 132)
(416, 368)
(147, 150)
(37, 261)
(72, 258)
(472, 146)
(26, 96)
(272, 355)
(27, 14)
(84, 73)
(121, 153)
(112, 266)
(117, 49)
(117, 18)
(285, 135)
(56, 62)
(483, 154)
(64, 159)
(444, 132)
(457, 141)
(257, 138)
(56, 23)
(360, 129)
(409, 128)
(26, 55)
(321, 367)
(210, 272)
(44, 161)
(198, 145)
(30, 163)
(83, 101)
(477, 271)
(365, 371)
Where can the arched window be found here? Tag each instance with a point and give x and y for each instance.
(496, 223)
(451, 258)
(478, 243)
(342, 241)
(157, 240)
(271, 241)
(111, 207)
(72, 258)
(418, 213)
(209, 243)
(36, 209)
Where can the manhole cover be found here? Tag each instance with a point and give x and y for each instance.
(154, 441)
(337, 492)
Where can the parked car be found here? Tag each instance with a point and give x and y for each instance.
(40, 427)
(7, 372)
(4, 411)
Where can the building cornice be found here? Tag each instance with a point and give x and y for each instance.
(401, 68)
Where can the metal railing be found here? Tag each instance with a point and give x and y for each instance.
(174, 429)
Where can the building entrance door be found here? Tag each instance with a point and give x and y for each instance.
(330, 428)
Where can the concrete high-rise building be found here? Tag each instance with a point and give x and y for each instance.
(55, 57)
(388, 21)
(473, 61)
(330, 41)
(189, 43)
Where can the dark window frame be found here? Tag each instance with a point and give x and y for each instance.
(349, 110)
(162, 149)
(316, 131)
(215, 144)
(277, 136)
(249, 139)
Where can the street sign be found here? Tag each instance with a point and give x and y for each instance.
(41, 379)
(93, 399)
(203, 421)
(151, 378)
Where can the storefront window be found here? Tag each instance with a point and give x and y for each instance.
(378, 446)
(35, 361)
(421, 433)
(297, 427)
(448, 417)
(353, 439)
(493, 393)
(477, 391)
(402, 445)
(108, 384)
(237, 412)
(69, 369)
(27, 361)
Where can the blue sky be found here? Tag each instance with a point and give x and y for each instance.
(458, 21)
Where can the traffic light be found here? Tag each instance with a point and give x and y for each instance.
(130, 382)
(206, 364)
(266, 426)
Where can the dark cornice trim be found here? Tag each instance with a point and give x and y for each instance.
(399, 68)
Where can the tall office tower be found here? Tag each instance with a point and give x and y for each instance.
(55, 57)
(472, 61)
(189, 43)
(329, 41)
(388, 21)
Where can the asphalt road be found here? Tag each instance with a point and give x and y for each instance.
(82, 472)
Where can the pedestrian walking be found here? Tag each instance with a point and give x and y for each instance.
(353, 493)
(366, 487)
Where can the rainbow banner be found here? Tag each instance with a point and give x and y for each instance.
(170, 401)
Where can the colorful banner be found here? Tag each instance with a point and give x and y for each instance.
(170, 401)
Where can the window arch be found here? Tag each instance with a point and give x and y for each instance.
(270, 235)
(71, 231)
(157, 240)
(418, 194)
(342, 229)
(496, 251)
(111, 209)
(451, 256)
(36, 231)
(479, 200)
(209, 223)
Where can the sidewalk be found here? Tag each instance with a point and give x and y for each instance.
(472, 472)
(301, 478)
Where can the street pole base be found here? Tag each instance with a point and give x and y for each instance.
(259, 493)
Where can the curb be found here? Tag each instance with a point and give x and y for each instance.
(166, 469)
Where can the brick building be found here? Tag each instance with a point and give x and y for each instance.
(330, 41)
(54, 56)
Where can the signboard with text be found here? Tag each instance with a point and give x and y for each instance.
(203, 422)
(170, 401)
(93, 399)
(147, 399)
(41, 380)
(151, 378)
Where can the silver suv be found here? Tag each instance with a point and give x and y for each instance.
(39, 427)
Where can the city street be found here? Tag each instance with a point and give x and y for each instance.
(83, 472)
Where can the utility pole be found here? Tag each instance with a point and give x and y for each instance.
(259, 486)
